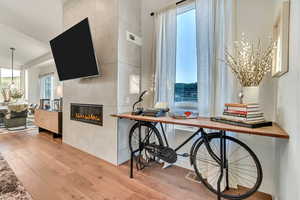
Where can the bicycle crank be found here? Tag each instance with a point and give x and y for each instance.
(164, 153)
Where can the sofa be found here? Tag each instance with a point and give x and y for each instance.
(16, 116)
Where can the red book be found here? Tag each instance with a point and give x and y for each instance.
(237, 112)
(250, 105)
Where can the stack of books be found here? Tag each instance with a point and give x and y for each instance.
(245, 113)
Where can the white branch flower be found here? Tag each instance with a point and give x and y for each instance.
(251, 63)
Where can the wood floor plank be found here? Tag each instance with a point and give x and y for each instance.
(51, 170)
(31, 181)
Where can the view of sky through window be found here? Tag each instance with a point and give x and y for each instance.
(186, 59)
(186, 88)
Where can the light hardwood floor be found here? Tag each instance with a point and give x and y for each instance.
(51, 170)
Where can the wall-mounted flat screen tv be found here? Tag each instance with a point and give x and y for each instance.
(74, 53)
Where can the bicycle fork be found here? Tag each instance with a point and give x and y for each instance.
(222, 160)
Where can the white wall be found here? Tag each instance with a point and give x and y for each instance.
(259, 26)
(33, 84)
(288, 115)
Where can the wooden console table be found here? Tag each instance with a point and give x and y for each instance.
(202, 122)
(49, 120)
(220, 160)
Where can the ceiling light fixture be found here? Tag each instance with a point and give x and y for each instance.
(12, 85)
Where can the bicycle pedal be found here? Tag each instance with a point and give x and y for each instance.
(185, 155)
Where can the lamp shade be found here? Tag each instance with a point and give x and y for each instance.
(59, 91)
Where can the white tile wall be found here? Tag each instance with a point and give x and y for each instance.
(97, 140)
(119, 60)
(129, 66)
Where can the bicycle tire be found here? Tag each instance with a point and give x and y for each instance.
(251, 191)
(145, 125)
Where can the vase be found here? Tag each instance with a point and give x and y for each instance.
(250, 94)
(6, 93)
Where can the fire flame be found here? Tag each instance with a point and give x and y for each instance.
(87, 117)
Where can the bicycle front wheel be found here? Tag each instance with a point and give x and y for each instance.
(242, 173)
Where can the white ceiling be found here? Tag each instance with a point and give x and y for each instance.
(28, 26)
(26, 47)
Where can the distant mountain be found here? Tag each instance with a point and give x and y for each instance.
(186, 92)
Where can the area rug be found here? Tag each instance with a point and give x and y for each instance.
(10, 187)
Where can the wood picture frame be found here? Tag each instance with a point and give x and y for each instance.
(281, 31)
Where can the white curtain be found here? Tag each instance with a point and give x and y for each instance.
(215, 21)
(165, 27)
(215, 31)
(165, 61)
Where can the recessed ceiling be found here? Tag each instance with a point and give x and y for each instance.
(28, 26)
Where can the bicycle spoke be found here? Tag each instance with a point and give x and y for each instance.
(246, 174)
(243, 169)
(147, 137)
(242, 158)
(212, 162)
(242, 177)
(216, 149)
(214, 179)
(245, 165)
(233, 180)
(233, 152)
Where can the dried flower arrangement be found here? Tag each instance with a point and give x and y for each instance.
(251, 63)
(16, 93)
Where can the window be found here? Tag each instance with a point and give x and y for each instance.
(5, 78)
(186, 89)
(46, 86)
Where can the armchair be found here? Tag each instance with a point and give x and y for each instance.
(16, 116)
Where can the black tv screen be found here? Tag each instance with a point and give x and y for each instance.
(74, 53)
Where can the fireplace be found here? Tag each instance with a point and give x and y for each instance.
(87, 113)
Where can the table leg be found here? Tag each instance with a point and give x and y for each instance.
(131, 162)
(226, 165)
(131, 165)
(223, 160)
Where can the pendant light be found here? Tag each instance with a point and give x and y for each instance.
(12, 84)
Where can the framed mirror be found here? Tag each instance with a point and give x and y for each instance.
(281, 37)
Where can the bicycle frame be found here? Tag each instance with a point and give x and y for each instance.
(203, 137)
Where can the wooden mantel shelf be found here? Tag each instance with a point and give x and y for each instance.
(271, 131)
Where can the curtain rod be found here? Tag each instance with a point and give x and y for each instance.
(177, 3)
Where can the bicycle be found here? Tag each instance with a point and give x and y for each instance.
(225, 165)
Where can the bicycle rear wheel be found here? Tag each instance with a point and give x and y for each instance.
(242, 171)
(149, 136)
